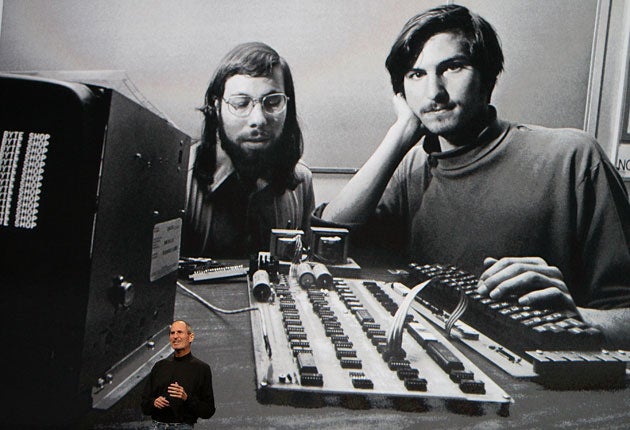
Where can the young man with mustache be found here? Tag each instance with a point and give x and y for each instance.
(538, 214)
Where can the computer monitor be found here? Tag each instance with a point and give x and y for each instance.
(92, 196)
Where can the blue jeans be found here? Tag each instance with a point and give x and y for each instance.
(171, 426)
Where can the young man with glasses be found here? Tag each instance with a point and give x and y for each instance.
(247, 176)
(540, 214)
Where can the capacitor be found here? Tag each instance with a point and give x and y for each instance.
(261, 287)
(323, 278)
(305, 275)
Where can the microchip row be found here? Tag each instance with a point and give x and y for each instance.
(344, 348)
(297, 338)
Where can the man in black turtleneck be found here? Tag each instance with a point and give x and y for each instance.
(179, 388)
(537, 213)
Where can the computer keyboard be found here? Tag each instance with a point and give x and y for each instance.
(520, 328)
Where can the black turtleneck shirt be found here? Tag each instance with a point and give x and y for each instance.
(192, 374)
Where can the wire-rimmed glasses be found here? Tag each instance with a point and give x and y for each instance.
(242, 105)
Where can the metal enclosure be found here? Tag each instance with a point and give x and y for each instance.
(92, 196)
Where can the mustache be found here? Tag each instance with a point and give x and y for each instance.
(434, 107)
(256, 134)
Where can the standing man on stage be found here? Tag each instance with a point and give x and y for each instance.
(179, 388)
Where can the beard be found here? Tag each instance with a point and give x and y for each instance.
(250, 163)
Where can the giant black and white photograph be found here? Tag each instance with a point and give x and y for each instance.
(281, 214)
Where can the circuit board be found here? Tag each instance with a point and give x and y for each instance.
(331, 344)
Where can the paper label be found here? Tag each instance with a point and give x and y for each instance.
(165, 252)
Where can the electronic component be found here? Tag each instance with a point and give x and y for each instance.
(330, 245)
(505, 359)
(261, 287)
(217, 273)
(323, 278)
(188, 265)
(305, 275)
(306, 363)
(283, 243)
(443, 356)
(334, 341)
(264, 261)
(321, 267)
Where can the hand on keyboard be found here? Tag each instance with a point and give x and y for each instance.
(530, 279)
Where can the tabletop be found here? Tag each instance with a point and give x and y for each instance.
(225, 342)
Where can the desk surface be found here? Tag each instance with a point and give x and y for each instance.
(225, 342)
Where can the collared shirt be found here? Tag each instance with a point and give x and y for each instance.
(234, 219)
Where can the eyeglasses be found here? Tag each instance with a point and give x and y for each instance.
(242, 105)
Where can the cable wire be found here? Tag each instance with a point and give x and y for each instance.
(394, 337)
(211, 306)
(459, 310)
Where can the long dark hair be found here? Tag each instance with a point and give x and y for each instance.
(258, 60)
(484, 46)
